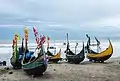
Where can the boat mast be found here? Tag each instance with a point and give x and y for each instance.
(67, 39)
(76, 47)
(88, 42)
(26, 38)
(67, 42)
(48, 43)
(54, 47)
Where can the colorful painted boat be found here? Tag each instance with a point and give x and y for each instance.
(102, 56)
(54, 58)
(14, 60)
(36, 66)
(98, 56)
(51, 57)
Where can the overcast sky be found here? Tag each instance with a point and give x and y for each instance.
(57, 17)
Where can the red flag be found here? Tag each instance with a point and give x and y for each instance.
(42, 41)
(48, 42)
(36, 35)
(35, 32)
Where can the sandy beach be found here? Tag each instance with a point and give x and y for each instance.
(86, 71)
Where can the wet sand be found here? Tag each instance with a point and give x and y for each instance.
(85, 71)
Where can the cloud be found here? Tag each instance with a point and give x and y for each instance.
(39, 22)
(67, 15)
(61, 11)
(34, 21)
(54, 25)
(11, 25)
(110, 23)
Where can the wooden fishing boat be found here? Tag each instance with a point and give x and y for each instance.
(51, 57)
(17, 55)
(14, 60)
(35, 65)
(101, 56)
(54, 58)
(75, 58)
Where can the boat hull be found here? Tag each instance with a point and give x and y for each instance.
(37, 70)
(102, 56)
(55, 60)
(99, 59)
(75, 58)
(37, 66)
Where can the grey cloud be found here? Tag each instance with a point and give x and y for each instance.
(66, 11)
(73, 16)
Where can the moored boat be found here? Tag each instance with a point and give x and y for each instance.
(36, 65)
(73, 57)
(99, 56)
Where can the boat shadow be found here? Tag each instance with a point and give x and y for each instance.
(45, 76)
(87, 62)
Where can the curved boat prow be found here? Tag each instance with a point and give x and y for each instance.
(56, 57)
(102, 56)
(82, 52)
(76, 58)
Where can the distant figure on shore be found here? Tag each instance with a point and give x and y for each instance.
(64, 43)
(3, 63)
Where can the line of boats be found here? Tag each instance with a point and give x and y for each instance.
(37, 65)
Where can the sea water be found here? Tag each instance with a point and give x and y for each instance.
(6, 48)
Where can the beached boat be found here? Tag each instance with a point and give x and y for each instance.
(73, 57)
(51, 57)
(17, 55)
(14, 60)
(99, 56)
(54, 58)
(36, 66)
